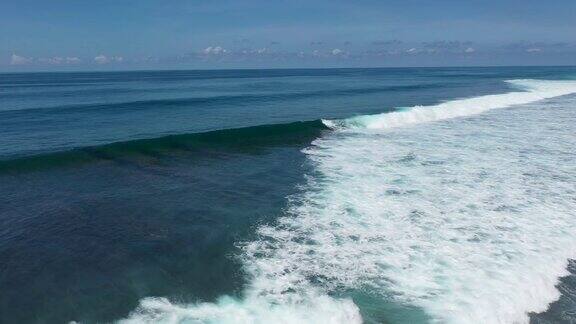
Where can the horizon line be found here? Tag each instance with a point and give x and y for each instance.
(286, 68)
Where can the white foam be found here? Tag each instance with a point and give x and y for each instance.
(471, 220)
(255, 309)
(533, 90)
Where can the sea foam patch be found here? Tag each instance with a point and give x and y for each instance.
(254, 309)
(471, 220)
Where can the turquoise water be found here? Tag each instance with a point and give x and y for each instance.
(258, 196)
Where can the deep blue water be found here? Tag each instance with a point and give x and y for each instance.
(119, 186)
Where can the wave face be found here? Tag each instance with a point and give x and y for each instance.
(533, 90)
(235, 139)
(469, 220)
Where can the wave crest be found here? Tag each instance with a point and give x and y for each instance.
(533, 90)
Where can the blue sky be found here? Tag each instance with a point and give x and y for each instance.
(130, 34)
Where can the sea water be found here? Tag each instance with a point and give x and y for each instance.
(289, 196)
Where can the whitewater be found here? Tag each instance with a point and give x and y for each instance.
(466, 216)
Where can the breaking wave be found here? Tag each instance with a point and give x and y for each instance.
(470, 220)
(533, 90)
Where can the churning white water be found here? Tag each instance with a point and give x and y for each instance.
(470, 219)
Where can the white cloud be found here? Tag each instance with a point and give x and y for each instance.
(147, 59)
(469, 50)
(103, 59)
(336, 51)
(73, 60)
(533, 50)
(50, 60)
(257, 51)
(60, 60)
(20, 60)
(214, 50)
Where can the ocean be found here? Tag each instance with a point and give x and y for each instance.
(394, 195)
